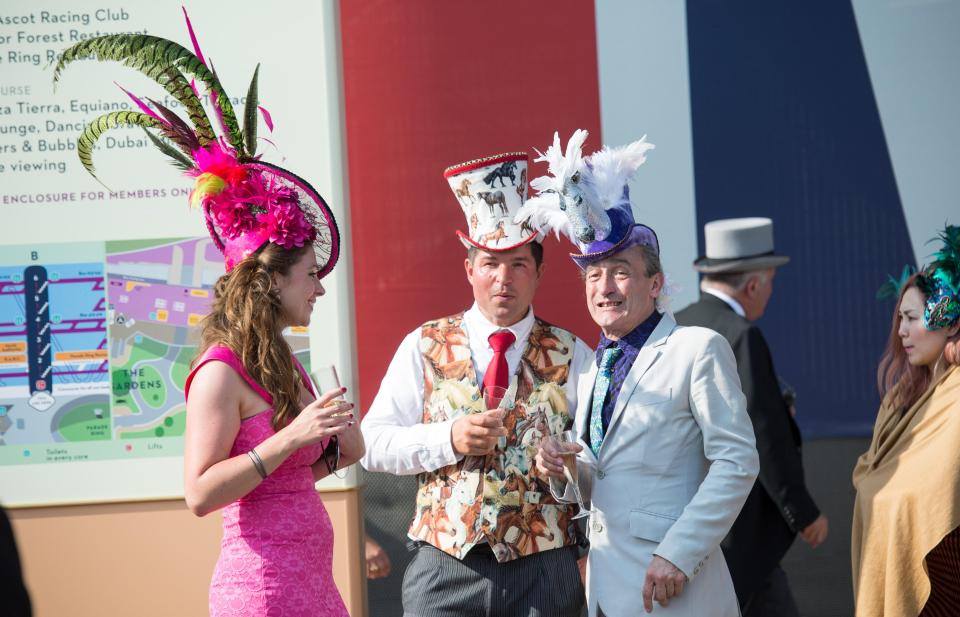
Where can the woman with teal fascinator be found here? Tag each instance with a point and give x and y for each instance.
(905, 540)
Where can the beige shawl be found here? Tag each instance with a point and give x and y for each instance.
(908, 499)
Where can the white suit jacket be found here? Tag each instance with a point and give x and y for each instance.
(676, 465)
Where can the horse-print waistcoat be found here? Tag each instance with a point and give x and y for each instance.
(500, 497)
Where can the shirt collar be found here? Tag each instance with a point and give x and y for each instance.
(635, 339)
(480, 327)
(731, 302)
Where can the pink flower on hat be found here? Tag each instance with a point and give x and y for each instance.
(288, 226)
(233, 218)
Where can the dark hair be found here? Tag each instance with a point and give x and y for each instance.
(898, 378)
(536, 250)
(247, 316)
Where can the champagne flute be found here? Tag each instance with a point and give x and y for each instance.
(325, 379)
(495, 397)
(570, 469)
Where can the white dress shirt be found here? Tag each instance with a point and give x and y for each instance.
(397, 440)
(730, 300)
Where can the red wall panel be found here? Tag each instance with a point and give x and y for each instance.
(429, 84)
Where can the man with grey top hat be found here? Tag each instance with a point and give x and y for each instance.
(738, 271)
(463, 406)
(665, 455)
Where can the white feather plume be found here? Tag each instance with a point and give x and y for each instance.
(560, 165)
(543, 210)
(545, 215)
(611, 168)
(667, 294)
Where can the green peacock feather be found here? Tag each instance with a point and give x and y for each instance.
(151, 56)
(891, 289)
(250, 115)
(88, 138)
(165, 62)
(180, 160)
(940, 282)
(947, 259)
(224, 109)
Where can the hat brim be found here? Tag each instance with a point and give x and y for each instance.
(745, 264)
(469, 243)
(633, 237)
(326, 244)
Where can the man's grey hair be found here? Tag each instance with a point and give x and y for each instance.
(652, 259)
(732, 280)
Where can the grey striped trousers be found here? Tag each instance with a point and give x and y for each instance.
(544, 584)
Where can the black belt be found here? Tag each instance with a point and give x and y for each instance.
(482, 548)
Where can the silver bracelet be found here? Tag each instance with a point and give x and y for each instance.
(257, 463)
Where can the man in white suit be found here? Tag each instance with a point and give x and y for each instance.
(668, 455)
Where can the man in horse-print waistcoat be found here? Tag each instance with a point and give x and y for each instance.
(490, 539)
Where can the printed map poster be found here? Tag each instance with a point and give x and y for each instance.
(157, 292)
(93, 410)
(94, 355)
(54, 374)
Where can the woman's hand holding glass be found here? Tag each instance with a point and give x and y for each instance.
(326, 417)
(350, 446)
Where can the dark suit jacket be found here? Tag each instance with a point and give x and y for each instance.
(779, 505)
(14, 600)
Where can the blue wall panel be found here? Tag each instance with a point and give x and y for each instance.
(785, 125)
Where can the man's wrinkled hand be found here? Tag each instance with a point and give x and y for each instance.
(663, 581)
(550, 457)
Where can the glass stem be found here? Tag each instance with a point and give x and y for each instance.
(576, 487)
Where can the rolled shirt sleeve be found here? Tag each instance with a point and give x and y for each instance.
(397, 440)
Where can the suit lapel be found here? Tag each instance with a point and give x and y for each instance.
(648, 353)
(584, 399)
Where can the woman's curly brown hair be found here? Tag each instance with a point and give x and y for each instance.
(247, 317)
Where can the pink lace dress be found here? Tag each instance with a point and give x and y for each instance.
(276, 556)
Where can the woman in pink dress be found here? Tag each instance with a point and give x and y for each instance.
(257, 436)
(276, 553)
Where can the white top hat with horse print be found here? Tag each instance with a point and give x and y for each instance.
(491, 191)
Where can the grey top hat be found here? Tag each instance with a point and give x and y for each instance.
(739, 245)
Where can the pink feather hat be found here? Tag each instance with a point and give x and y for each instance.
(247, 203)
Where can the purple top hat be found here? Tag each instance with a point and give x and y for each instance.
(588, 199)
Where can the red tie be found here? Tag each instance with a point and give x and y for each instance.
(497, 372)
